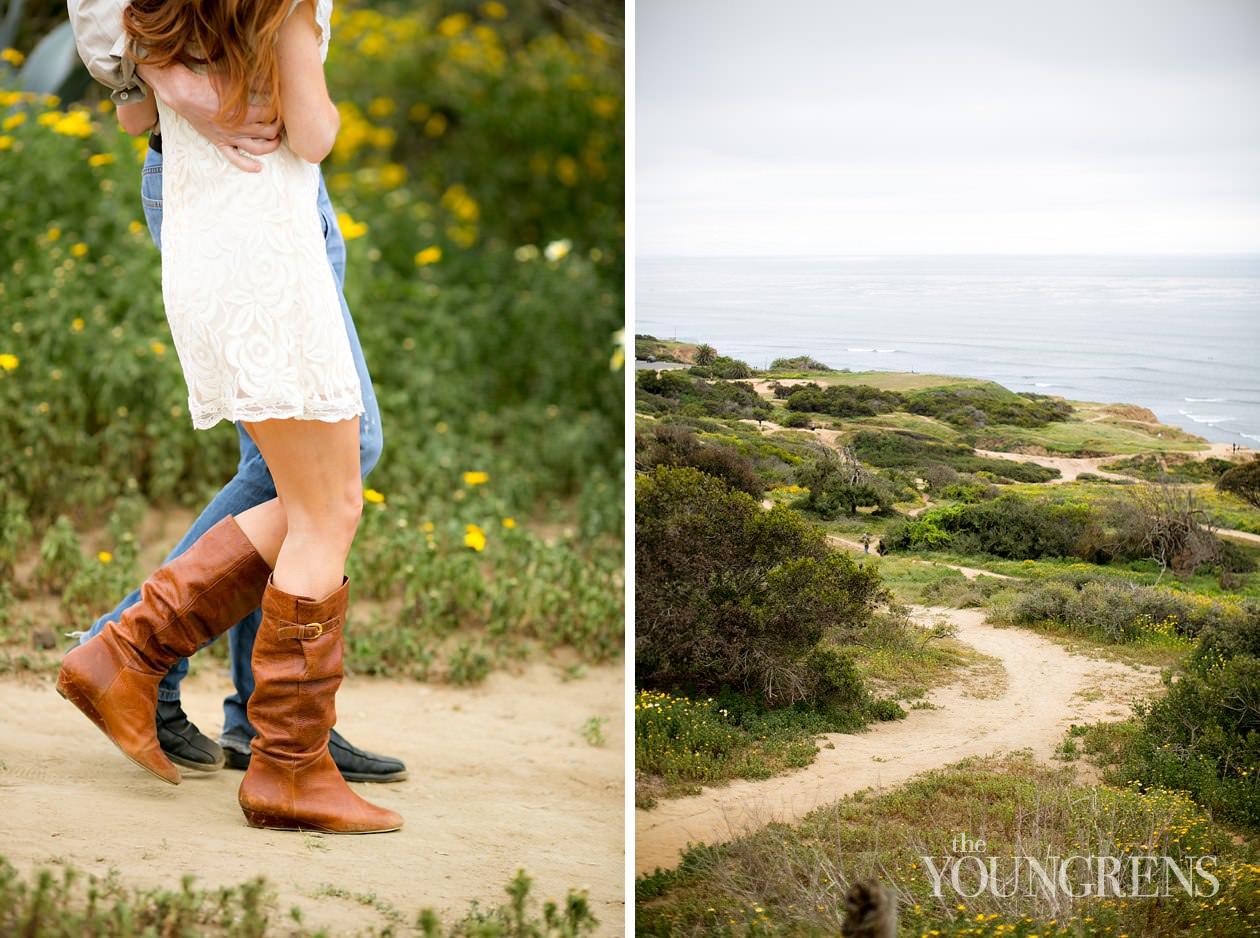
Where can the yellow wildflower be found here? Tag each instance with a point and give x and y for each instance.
(393, 175)
(77, 325)
(6, 142)
(427, 526)
(157, 348)
(567, 170)
(53, 234)
(373, 496)
(135, 227)
(13, 57)
(351, 229)
(105, 557)
(435, 126)
(453, 25)
(100, 159)
(494, 10)
(476, 478)
(75, 124)
(14, 120)
(430, 255)
(79, 249)
(509, 523)
(605, 105)
(381, 107)
(474, 537)
(8, 362)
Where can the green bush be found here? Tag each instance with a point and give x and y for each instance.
(1117, 610)
(674, 445)
(721, 366)
(728, 594)
(975, 407)
(858, 400)
(1012, 526)
(675, 391)
(902, 449)
(1203, 735)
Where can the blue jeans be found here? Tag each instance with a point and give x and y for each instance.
(252, 484)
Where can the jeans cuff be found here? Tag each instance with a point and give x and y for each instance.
(168, 696)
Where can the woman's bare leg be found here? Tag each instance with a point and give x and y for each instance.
(307, 532)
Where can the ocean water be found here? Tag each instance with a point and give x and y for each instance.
(1177, 334)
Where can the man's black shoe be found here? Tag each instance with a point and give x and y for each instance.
(235, 749)
(182, 742)
(355, 764)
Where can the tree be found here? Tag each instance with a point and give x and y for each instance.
(705, 355)
(1243, 481)
(1165, 523)
(836, 479)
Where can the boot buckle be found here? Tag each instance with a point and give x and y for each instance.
(312, 630)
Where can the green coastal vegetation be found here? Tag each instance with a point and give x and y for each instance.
(1090, 523)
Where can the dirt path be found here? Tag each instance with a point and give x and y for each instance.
(1070, 467)
(501, 778)
(1045, 689)
(969, 572)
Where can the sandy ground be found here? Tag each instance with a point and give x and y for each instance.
(1070, 466)
(500, 778)
(1045, 690)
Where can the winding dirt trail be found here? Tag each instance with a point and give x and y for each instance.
(501, 778)
(1040, 691)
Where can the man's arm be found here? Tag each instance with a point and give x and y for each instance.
(194, 96)
(102, 45)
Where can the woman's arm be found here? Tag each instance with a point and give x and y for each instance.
(310, 118)
(139, 117)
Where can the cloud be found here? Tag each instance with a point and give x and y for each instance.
(914, 126)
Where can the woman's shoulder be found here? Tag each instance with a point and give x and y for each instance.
(323, 17)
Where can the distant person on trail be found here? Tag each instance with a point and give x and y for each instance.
(866, 543)
(879, 548)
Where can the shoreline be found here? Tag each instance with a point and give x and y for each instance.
(1216, 439)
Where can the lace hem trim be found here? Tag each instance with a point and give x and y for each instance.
(206, 416)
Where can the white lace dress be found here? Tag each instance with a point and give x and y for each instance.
(249, 293)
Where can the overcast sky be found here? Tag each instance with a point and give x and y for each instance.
(926, 126)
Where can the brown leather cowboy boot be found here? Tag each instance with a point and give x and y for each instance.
(198, 595)
(292, 782)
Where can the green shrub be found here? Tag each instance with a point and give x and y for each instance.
(729, 594)
(1012, 526)
(858, 400)
(1120, 611)
(674, 445)
(975, 407)
(903, 449)
(798, 363)
(1203, 735)
(721, 367)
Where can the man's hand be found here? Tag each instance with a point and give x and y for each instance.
(195, 97)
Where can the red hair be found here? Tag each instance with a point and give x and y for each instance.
(234, 39)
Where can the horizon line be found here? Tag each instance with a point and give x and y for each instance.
(764, 256)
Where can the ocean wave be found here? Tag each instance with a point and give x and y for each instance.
(1198, 418)
(1251, 436)
(860, 350)
(1204, 400)
(885, 350)
(1044, 384)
